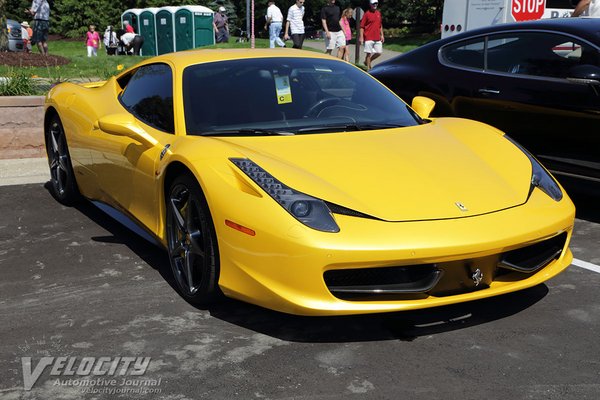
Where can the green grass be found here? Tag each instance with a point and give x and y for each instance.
(83, 68)
(409, 42)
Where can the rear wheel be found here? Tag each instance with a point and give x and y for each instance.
(192, 243)
(62, 179)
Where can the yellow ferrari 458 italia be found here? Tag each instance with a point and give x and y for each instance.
(298, 182)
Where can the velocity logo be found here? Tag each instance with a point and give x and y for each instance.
(82, 366)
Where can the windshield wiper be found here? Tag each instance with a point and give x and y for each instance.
(245, 132)
(347, 127)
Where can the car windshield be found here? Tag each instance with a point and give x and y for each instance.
(287, 96)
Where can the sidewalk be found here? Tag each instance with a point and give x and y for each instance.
(24, 170)
(320, 45)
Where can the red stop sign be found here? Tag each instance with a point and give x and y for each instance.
(525, 10)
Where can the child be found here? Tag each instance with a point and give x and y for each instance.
(92, 41)
(345, 24)
(26, 34)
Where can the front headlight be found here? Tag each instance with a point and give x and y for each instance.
(540, 178)
(309, 210)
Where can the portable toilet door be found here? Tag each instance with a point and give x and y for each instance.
(184, 29)
(204, 33)
(132, 17)
(165, 33)
(148, 31)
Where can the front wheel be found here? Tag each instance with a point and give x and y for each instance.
(62, 178)
(192, 242)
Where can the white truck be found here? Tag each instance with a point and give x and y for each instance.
(462, 15)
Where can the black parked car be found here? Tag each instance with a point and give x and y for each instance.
(538, 81)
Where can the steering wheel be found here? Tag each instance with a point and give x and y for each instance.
(320, 105)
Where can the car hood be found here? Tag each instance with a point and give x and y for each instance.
(449, 168)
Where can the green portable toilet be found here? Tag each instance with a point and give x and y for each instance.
(147, 30)
(204, 32)
(132, 16)
(165, 33)
(193, 27)
(184, 29)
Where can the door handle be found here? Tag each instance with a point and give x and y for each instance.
(488, 91)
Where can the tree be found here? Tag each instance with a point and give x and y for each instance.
(4, 33)
(71, 17)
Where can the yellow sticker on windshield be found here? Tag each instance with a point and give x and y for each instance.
(282, 86)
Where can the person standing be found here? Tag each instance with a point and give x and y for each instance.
(274, 21)
(371, 34)
(26, 36)
(345, 24)
(40, 9)
(294, 24)
(334, 35)
(92, 41)
(589, 8)
(128, 27)
(221, 26)
(110, 41)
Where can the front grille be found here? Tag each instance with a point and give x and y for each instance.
(442, 279)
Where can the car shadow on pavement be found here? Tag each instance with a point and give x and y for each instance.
(155, 256)
(405, 326)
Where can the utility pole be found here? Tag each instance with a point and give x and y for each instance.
(358, 12)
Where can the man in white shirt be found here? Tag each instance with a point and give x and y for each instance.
(274, 20)
(295, 23)
(132, 42)
(589, 8)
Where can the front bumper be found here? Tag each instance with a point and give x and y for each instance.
(285, 269)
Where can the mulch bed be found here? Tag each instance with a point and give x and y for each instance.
(22, 59)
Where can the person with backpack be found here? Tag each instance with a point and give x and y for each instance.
(111, 42)
(40, 10)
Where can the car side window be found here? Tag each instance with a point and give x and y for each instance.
(539, 54)
(148, 95)
(468, 53)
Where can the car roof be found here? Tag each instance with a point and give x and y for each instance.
(587, 28)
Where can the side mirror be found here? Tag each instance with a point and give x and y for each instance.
(585, 72)
(125, 125)
(423, 106)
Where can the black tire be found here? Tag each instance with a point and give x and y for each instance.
(63, 185)
(192, 242)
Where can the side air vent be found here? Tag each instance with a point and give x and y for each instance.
(388, 280)
(531, 258)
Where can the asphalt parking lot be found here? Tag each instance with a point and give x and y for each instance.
(77, 284)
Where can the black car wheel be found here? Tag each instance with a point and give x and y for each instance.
(192, 243)
(62, 179)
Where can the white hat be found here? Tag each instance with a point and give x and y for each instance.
(374, 1)
(222, 9)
